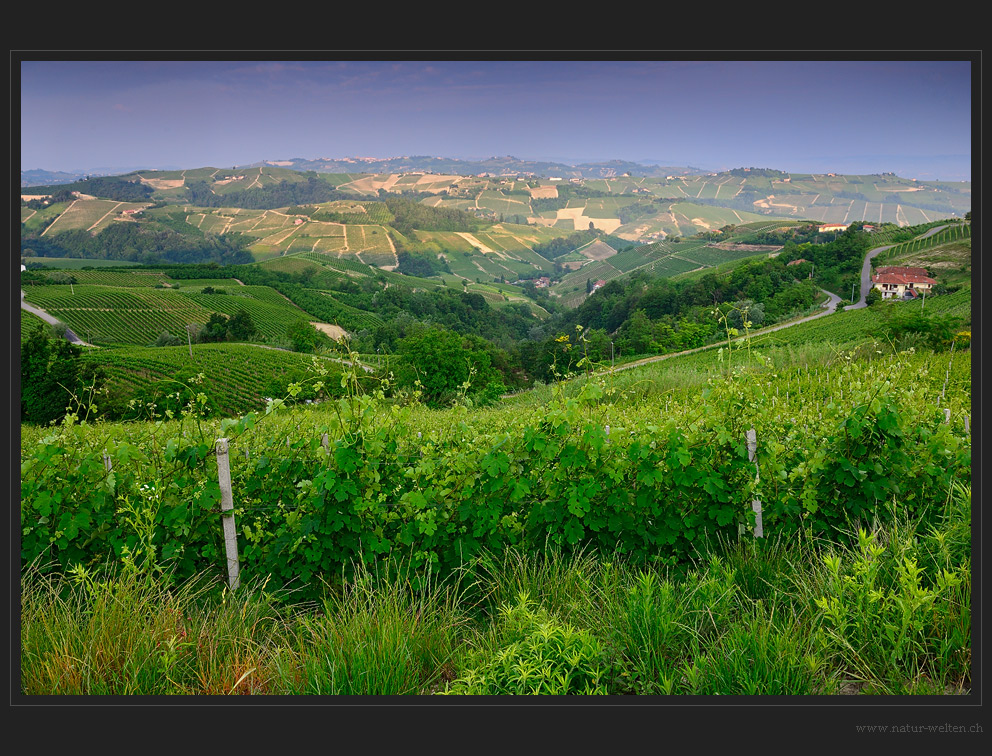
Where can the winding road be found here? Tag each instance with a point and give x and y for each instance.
(866, 268)
(52, 320)
(828, 307)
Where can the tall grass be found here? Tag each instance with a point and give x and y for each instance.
(890, 613)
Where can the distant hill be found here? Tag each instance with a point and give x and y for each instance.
(436, 222)
(494, 166)
(38, 177)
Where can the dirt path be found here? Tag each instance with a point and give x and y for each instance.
(60, 216)
(109, 212)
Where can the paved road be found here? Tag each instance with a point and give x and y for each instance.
(866, 269)
(828, 307)
(69, 335)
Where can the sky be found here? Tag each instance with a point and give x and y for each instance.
(910, 117)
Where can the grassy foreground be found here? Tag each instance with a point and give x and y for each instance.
(889, 614)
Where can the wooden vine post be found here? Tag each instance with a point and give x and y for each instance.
(752, 448)
(227, 513)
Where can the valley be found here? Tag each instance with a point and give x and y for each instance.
(636, 435)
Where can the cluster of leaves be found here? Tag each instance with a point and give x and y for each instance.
(445, 366)
(916, 327)
(422, 266)
(883, 609)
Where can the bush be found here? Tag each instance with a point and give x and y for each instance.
(167, 339)
(305, 337)
(537, 654)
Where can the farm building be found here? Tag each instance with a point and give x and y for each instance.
(832, 227)
(901, 282)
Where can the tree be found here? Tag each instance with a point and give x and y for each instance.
(216, 328)
(305, 337)
(637, 333)
(443, 361)
(167, 339)
(51, 375)
(241, 327)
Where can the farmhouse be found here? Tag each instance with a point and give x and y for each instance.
(901, 282)
(543, 282)
(599, 284)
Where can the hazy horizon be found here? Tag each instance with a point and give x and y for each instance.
(911, 118)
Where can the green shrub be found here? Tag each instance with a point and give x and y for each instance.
(537, 655)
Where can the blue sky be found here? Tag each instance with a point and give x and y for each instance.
(911, 117)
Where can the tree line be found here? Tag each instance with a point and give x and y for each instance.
(133, 243)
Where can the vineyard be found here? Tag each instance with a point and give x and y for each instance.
(138, 314)
(952, 233)
(834, 447)
(235, 377)
(711, 524)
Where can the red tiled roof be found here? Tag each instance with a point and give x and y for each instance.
(903, 270)
(886, 276)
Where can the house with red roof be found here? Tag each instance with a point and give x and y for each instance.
(902, 282)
